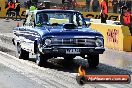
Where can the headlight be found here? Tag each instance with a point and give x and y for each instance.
(47, 41)
(99, 43)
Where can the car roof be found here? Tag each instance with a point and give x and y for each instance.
(53, 10)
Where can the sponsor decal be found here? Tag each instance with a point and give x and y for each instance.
(82, 78)
(114, 17)
(112, 36)
(96, 15)
(23, 13)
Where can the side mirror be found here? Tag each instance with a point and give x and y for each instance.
(87, 20)
(88, 24)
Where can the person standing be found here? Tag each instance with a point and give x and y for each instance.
(95, 5)
(104, 11)
(17, 10)
(41, 6)
(125, 18)
(129, 5)
(121, 3)
(115, 5)
(10, 7)
(33, 7)
(88, 5)
(70, 6)
(73, 4)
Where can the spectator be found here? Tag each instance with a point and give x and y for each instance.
(104, 11)
(25, 3)
(41, 6)
(28, 3)
(121, 3)
(73, 4)
(69, 4)
(129, 5)
(115, 6)
(125, 18)
(95, 5)
(17, 10)
(88, 5)
(10, 7)
(32, 7)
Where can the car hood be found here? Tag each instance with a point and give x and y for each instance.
(60, 31)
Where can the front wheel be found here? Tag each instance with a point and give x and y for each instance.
(93, 60)
(41, 59)
(22, 54)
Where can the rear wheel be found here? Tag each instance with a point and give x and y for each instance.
(22, 54)
(93, 60)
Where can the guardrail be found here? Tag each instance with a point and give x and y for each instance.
(116, 37)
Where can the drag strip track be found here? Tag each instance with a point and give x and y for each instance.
(47, 77)
(58, 73)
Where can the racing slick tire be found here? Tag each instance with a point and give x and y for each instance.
(93, 60)
(41, 59)
(22, 54)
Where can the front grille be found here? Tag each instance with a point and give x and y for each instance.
(73, 41)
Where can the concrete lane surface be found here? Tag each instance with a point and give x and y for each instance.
(10, 78)
(57, 74)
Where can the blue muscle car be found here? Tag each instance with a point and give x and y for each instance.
(57, 33)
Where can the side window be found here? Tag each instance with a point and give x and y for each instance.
(77, 19)
(80, 20)
(38, 18)
(30, 20)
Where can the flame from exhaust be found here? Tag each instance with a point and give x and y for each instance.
(81, 71)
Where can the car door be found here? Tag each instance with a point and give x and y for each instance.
(27, 32)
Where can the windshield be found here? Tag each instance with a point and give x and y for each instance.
(60, 18)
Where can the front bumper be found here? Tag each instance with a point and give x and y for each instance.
(62, 50)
